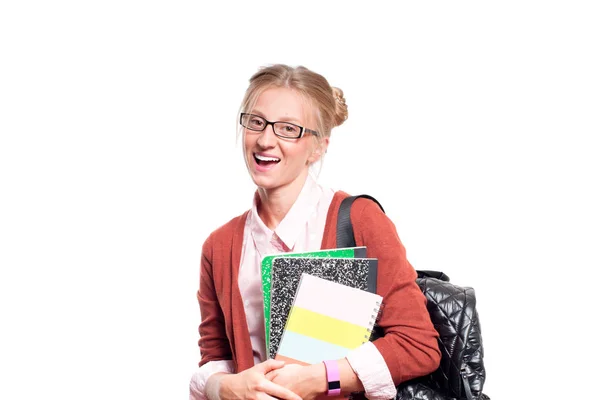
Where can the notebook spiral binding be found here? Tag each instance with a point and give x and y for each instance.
(374, 318)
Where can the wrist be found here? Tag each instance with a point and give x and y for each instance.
(214, 386)
(318, 378)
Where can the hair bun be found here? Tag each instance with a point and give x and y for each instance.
(341, 109)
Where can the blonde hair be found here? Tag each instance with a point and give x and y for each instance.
(328, 102)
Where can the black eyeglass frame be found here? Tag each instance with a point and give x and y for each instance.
(302, 129)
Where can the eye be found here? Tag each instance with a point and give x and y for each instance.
(256, 122)
(290, 129)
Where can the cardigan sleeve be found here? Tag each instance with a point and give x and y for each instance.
(409, 345)
(214, 344)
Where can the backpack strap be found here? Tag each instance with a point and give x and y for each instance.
(467, 387)
(433, 274)
(345, 232)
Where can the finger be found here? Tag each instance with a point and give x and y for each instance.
(271, 375)
(269, 365)
(265, 396)
(278, 391)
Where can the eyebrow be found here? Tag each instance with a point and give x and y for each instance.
(286, 119)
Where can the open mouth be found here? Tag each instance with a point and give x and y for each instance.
(265, 161)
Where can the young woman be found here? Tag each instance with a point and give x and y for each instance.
(286, 120)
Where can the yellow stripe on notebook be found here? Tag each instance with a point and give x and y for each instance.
(327, 329)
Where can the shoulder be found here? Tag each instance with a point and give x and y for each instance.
(362, 208)
(365, 215)
(370, 222)
(366, 208)
(223, 235)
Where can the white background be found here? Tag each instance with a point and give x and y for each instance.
(475, 125)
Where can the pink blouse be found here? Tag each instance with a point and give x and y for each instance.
(301, 230)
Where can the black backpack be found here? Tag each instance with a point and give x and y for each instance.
(461, 373)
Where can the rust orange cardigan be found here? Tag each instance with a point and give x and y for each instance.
(409, 346)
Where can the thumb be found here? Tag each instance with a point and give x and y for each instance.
(269, 365)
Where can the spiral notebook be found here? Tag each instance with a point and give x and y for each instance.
(360, 273)
(327, 321)
(267, 266)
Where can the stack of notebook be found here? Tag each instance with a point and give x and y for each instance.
(319, 305)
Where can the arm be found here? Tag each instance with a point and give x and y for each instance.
(216, 378)
(214, 346)
(409, 345)
(213, 342)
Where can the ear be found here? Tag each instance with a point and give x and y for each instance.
(319, 150)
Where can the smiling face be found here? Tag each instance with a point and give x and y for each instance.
(275, 163)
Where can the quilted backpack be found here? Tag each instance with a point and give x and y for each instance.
(461, 373)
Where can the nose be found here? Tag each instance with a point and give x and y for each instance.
(267, 138)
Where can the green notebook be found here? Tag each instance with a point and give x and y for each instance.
(267, 266)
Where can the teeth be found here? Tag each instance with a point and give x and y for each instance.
(262, 158)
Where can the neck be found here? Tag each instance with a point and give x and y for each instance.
(275, 203)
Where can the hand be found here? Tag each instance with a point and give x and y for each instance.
(306, 381)
(252, 384)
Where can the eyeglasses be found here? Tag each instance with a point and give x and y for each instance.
(282, 129)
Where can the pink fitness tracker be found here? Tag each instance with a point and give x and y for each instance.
(334, 387)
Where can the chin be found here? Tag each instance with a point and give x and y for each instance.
(266, 185)
(263, 182)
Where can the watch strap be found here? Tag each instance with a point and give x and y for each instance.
(334, 387)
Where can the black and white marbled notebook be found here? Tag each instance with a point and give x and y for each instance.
(360, 273)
